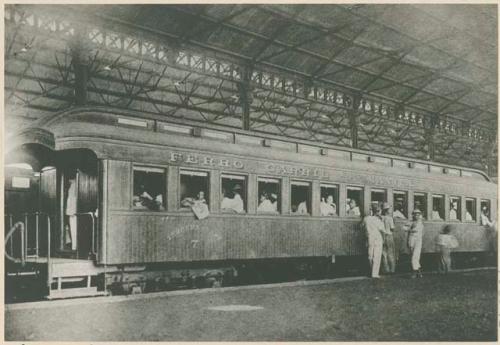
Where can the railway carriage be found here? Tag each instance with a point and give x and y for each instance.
(108, 211)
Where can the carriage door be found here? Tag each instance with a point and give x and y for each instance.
(48, 207)
(79, 224)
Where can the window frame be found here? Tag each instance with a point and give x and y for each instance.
(207, 195)
(361, 204)
(337, 202)
(309, 203)
(150, 167)
(280, 202)
(245, 199)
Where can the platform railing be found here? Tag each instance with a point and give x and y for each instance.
(21, 226)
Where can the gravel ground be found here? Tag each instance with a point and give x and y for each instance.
(459, 306)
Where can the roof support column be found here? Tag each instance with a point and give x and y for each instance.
(80, 61)
(429, 138)
(245, 91)
(490, 158)
(353, 120)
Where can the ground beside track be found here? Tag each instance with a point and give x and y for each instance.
(459, 306)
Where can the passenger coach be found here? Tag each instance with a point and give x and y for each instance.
(112, 200)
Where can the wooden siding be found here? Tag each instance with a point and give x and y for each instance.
(142, 237)
(119, 185)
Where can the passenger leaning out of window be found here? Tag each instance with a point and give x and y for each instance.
(485, 219)
(198, 205)
(415, 233)
(233, 201)
(328, 207)
(144, 200)
(353, 209)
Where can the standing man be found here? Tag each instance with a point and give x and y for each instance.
(415, 233)
(388, 251)
(374, 229)
(71, 212)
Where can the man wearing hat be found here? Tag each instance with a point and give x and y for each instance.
(388, 251)
(374, 229)
(235, 203)
(415, 233)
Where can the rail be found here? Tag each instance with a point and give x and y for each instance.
(30, 247)
(22, 228)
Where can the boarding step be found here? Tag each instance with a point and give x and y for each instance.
(74, 268)
(72, 278)
(76, 292)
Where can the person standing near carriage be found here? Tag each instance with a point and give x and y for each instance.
(415, 233)
(374, 229)
(388, 251)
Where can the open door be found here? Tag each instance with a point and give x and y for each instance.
(78, 200)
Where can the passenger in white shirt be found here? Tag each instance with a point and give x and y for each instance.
(436, 215)
(353, 209)
(398, 214)
(328, 208)
(453, 211)
(235, 203)
(468, 216)
(266, 205)
(302, 208)
(485, 220)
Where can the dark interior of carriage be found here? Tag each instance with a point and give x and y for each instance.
(59, 188)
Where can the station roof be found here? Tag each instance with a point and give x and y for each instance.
(438, 58)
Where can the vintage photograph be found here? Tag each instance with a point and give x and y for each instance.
(250, 172)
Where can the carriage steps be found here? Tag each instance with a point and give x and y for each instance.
(73, 272)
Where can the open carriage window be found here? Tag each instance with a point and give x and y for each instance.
(329, 200)
(470, 209)
(455, 208)
(354, 202)
(420, 203)
(233, 193)
(193, 188)
(269, 195)
(400, 205)
(149, 188)
(437, 207)
(378, 196)
(301, 197)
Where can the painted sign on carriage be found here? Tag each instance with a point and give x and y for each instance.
(207, 161)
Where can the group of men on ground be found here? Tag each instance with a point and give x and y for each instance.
(379, 228)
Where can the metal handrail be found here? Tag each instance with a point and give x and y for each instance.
(20, 226)
(24, 234)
